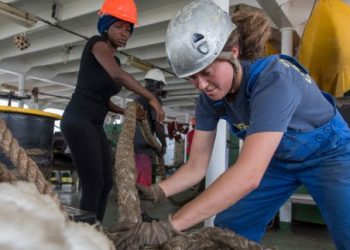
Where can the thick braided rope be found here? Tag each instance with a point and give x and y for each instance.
(6, 175)
(27, 168)
(127, 198)
(147, 134)
(211, 238)
(126, 195)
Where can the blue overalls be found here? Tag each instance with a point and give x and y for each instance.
(319, 159)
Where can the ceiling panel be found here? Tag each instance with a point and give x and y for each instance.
(52, 61)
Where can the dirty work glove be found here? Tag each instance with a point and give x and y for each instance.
(150, 196)
(144, 234)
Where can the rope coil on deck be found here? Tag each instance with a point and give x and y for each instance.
(26, 168)
(39, 206)
(6, 175)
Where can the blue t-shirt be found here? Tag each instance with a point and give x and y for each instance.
(282, 97)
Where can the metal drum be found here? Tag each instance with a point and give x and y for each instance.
(33, 130)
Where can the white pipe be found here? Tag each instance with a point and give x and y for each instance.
(287, 41)
(285, 214)
(219, 158)
(21, 89)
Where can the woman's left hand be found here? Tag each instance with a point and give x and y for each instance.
(140, 113)
(144, 234)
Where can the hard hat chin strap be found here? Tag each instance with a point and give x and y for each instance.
(228, 56)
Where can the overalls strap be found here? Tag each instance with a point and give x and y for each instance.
(255, 69)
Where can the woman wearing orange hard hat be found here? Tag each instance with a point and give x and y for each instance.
(100, 77)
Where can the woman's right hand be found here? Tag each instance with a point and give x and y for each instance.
(158, 108)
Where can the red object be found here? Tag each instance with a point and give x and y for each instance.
(189, 141)
(123, 9)
(144, 169)
(175, 130)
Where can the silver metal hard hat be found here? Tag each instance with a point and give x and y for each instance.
(196, 35)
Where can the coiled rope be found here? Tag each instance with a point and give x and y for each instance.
(129, 209)
(25, 167)
(6, 175)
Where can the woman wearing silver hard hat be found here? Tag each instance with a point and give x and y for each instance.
(293, 133)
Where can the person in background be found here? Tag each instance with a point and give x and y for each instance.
(190, 137)
(293, 133)
(100, 77)
(144, 153)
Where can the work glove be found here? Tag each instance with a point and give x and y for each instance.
(136, 236)
(150, 196)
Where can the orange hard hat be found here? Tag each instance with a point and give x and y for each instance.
(123, 9)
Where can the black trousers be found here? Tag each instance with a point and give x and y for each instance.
(91, 155)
